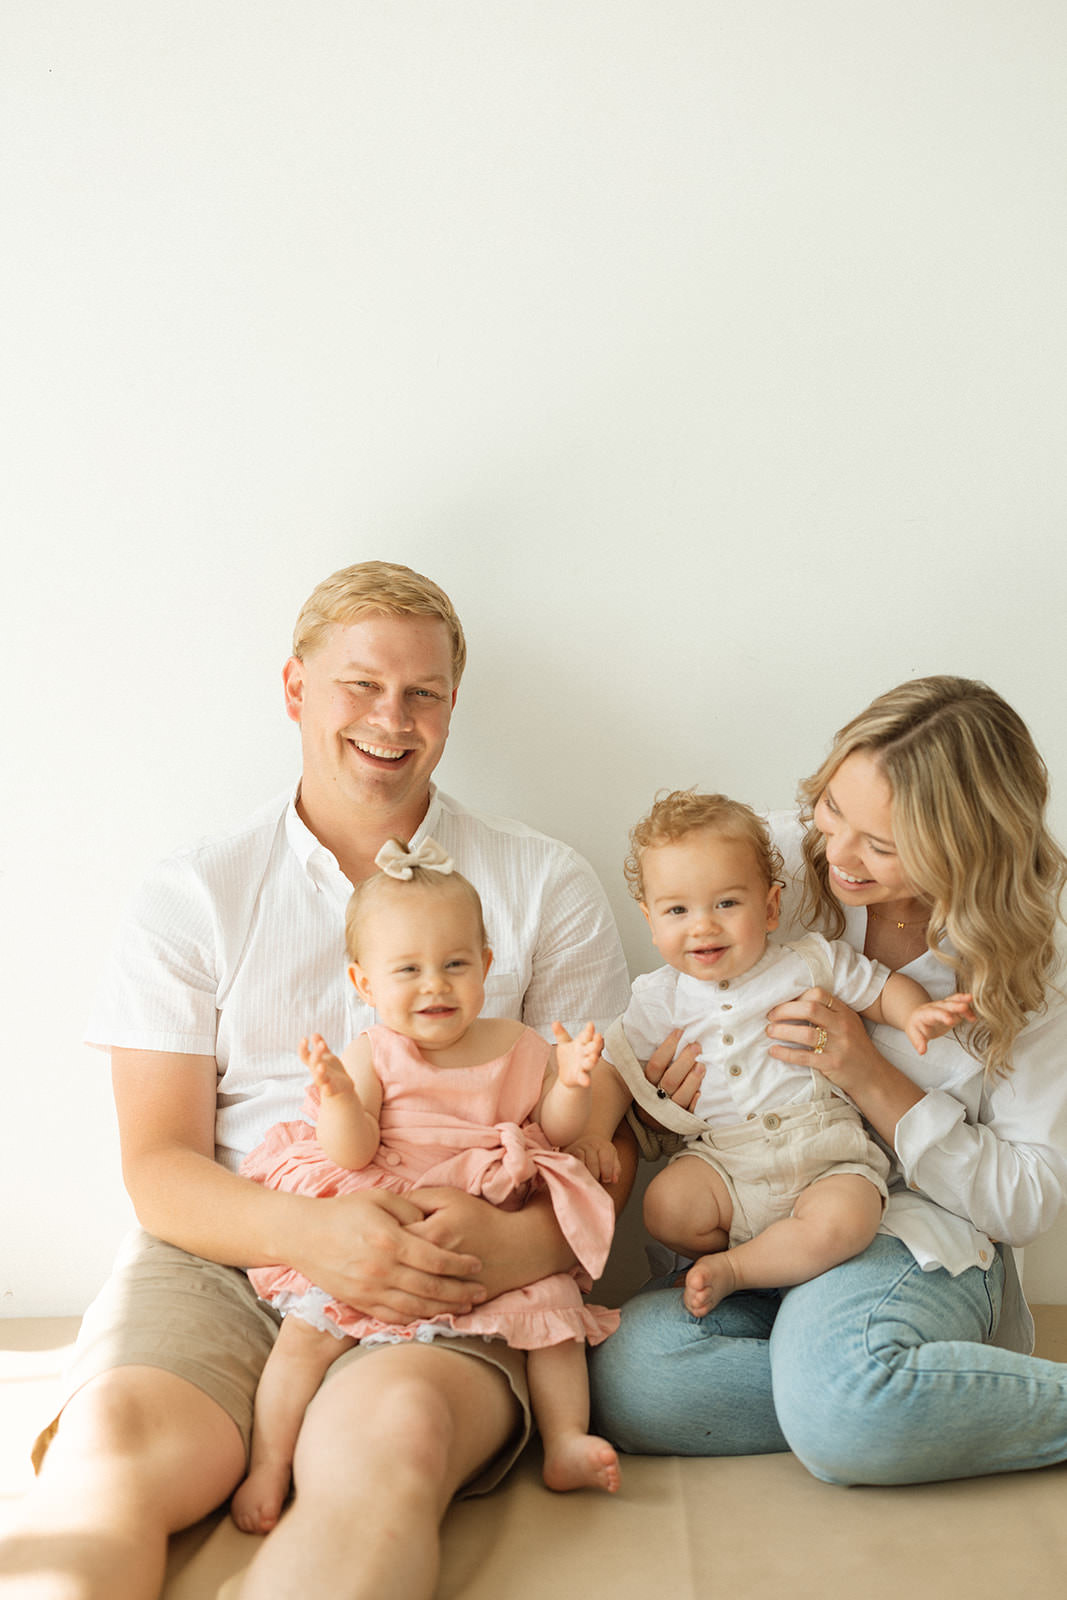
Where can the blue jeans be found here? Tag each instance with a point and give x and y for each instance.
(875, 1372)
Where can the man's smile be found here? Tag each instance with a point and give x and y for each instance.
(380, 752)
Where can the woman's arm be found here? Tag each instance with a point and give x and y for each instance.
(848, 1057)
(1007, 1171)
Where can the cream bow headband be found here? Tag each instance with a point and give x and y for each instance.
(397, 862)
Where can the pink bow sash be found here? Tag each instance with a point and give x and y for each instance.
(583, 1209)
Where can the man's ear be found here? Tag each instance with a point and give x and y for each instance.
(293, 680)
(361, 983)
(774, 906)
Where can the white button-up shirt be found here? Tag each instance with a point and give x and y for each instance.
(728, 1019)
(980, 1159)
(235, 949)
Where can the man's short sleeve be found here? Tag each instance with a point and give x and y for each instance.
(160, 988)
(579, 970)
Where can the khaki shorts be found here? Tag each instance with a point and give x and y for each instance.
(164, 1308)
(767, 1163)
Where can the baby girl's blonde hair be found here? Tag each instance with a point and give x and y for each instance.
(366, 895)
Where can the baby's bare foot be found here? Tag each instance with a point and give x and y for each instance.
(709, 1280)
(257, 1503)
(581, 1461)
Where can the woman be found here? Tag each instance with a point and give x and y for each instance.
(921, 840)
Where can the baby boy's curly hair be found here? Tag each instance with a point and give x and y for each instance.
(685, 811)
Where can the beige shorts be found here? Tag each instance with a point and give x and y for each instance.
(164, 1308)
(766, 1163)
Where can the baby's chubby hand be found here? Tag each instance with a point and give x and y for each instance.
(326, 1069)
(576, 1058)
(938, 1017)
(599, 1155)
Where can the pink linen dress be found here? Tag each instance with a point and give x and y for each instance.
(464, 1128)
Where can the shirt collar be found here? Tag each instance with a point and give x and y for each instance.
(309, 850)
(302, 841)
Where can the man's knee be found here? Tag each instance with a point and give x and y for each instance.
(112, 1415)
(400, 1424)
(152, 1428)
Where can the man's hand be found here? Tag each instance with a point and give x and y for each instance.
(676, 1077)
(367, 1251)
(515, 1247)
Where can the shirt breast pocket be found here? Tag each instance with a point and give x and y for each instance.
(502, 996)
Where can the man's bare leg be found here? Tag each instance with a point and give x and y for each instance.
(384, 1447)
(139, 1454)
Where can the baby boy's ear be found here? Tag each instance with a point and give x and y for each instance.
(774, 906)
(487, 961)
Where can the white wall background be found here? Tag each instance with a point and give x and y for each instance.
(710, 354)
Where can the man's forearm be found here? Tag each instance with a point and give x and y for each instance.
(189, 1200)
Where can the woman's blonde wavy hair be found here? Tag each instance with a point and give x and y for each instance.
(969, 795)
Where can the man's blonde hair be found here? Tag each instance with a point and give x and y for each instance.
(382, 886)
(685, 811)
(379, 588)
(969, 795)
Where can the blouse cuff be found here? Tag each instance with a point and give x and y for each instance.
(924, 1125)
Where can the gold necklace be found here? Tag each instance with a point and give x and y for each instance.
(922, 922)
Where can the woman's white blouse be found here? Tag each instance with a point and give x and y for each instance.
(979, 1161)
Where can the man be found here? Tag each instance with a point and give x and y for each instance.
(232, 952)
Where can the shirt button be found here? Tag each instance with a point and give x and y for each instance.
(391, 1158)
(771, 1121)
(726, 1006)
(983, 1256)
(724, 983)
(734, 1070)
(727, 1038)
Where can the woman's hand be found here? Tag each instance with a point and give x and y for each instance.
(676, 1077)
(818, 1030)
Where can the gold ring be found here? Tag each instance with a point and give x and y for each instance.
(830, 1003)
(821, 1036)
